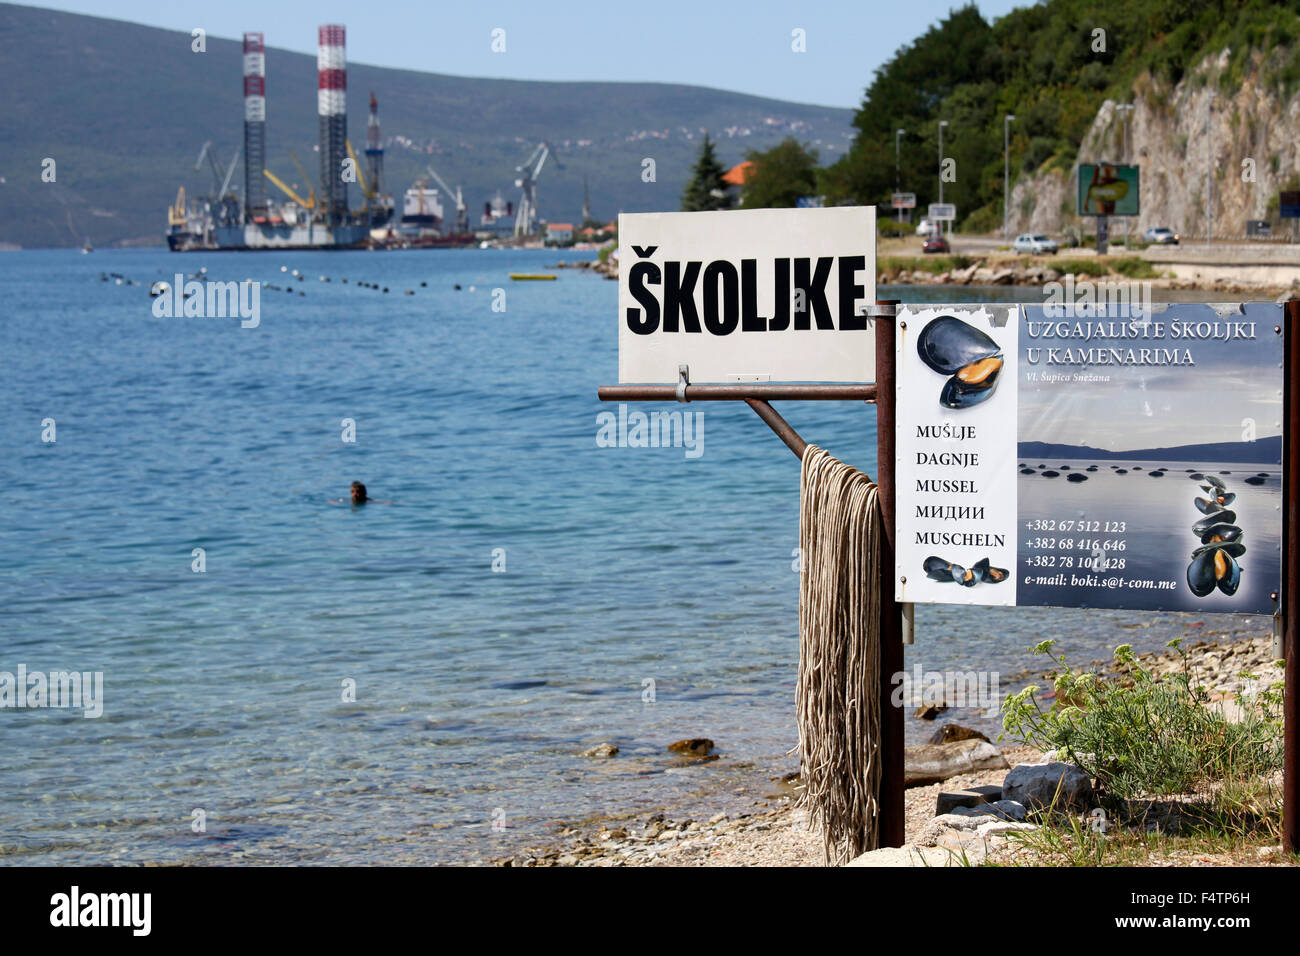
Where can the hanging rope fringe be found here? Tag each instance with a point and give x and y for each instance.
(840, 532)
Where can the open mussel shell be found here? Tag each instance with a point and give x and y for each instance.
(1211, 568)
(989, 573)
(948, 344)
(1216, 482)
(1221, 532)
(966, 577)
(971, 384)
(1207, 507)
(1234, 548)
(1208, 522)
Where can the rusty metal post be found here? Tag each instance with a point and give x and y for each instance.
(892, 810)
(1290, 572)
(779, 425)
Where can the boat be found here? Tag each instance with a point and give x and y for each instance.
(530, 277)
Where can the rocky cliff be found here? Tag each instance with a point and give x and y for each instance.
(1247, 137)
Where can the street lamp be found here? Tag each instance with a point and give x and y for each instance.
(1006, 177)
(942, 124)
(897, 134)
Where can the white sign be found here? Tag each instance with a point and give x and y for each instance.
(956, 512)
(903, 200)
(762, 295)
(942, 211)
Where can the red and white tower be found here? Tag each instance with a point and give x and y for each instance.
(331, 107)
(254, 127)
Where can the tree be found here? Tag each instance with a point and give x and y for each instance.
(781, 176)
(706, 190)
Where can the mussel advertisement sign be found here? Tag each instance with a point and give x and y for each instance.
(1105, 457)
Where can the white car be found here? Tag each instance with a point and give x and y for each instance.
(1034, 243)
(927, 228)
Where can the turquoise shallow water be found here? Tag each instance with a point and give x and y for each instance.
(475, 689)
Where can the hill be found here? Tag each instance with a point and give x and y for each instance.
(1060, 67)
(1264, 451)
(124, 109)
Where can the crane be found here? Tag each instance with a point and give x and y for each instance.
(369, 191)
(310, 201)
(462, 213)
(526, 220)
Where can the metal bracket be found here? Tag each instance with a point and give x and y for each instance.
(909, 622)
(887, 310)
(683, 379)
(1279, 629)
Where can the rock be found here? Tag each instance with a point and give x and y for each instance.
(930, 711)
(950, 733)
(1002, 277)
(695, 746)
(1036, 786)
(996, 827)
(998, 810)
(600, 750)
(911, 856)
(935, 763)
(972, 797)
(718, 817)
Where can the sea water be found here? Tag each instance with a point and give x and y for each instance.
(289, 679)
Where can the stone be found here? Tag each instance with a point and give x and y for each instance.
(998, 810)
(949, 733)
(911, 856)
(971, 797)
(694, 746)
(600, 750)
(930, 711)
(1038, 786)
(935, 763)
(998, 827)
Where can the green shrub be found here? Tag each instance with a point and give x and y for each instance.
(1137, 735)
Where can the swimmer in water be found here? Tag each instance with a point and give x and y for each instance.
(359, 497)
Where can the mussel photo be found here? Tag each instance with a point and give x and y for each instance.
(973, 360)
(1214, 563)
(1213, 567)
(938, 569)
(989, 573)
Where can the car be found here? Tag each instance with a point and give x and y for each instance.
(935, 244)
(927, 228)
(1161, 236)
(1034, 243)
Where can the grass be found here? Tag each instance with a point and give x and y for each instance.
(1174, 777)
(934, 264)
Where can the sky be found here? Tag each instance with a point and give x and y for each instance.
(742, 45)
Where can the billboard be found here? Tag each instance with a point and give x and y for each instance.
(762, 295)
(1108, 189)
(942, 212)
(1091, 456)
(903, 200)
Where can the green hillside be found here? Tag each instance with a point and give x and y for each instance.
(124, 109)
(1052, 65)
